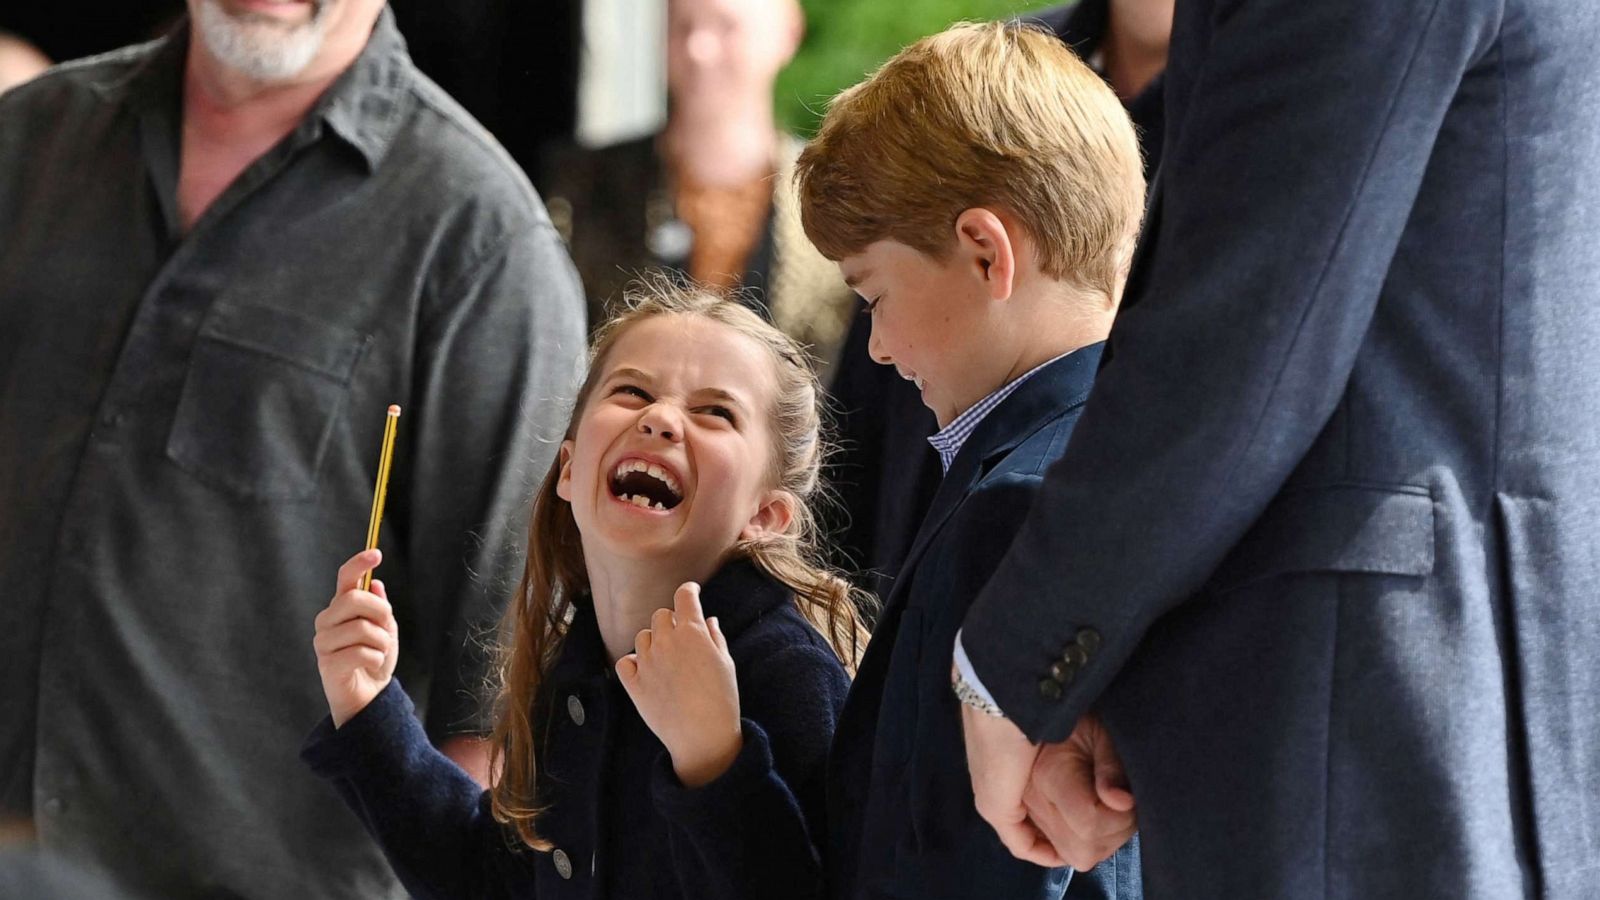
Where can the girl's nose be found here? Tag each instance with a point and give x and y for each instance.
(660, 422)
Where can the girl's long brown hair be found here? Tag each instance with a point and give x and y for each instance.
(555, 575)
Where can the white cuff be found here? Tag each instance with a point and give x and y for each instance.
(964, 666)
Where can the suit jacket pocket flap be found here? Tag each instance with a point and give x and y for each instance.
(1384, 529)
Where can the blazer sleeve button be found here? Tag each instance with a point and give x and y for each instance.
(1063, 671)
(1050, 689)
(1089, 640)
(1075, 656)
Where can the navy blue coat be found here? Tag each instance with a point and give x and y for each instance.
(900, 801)
(1344, 465)
(622, 825)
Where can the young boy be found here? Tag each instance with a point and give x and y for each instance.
(982, 192)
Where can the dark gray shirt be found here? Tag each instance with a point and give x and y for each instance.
(189, 433)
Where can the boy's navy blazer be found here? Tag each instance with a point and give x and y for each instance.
(901, 815)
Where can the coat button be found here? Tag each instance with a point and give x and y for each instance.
(1075, 656)
(1063, 671)
(1050, 689)
(575, 709)
(1089, 640)
(563, 864)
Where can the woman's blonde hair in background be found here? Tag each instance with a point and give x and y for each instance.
(555, 575)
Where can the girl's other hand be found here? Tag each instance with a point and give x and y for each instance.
(681, 678)
(357, 640)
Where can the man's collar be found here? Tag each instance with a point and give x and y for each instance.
(364, 106)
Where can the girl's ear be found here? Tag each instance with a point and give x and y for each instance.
(564, 479)
(773, 516)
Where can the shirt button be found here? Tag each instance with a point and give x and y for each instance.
(563, 864)
(575, 709)
(55, 806)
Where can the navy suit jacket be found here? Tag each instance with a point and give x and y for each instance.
(1344, 466)
(901, 814)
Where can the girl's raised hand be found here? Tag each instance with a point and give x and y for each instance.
(357, 640)
(681, 678)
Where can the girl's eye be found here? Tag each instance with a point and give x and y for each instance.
(721, 411)
(632, 391)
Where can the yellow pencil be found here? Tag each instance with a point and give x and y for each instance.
(381, 492)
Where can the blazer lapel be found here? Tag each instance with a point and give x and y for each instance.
(1055, 390)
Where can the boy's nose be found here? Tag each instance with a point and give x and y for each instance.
(875, 349)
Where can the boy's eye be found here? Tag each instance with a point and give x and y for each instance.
(632, 391)
(720, 411)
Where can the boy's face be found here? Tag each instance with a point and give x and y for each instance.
(931, 320)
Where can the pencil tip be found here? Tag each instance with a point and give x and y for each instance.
(394, 409)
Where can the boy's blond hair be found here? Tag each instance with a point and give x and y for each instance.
(996, 115)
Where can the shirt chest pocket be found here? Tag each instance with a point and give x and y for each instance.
(260, 398)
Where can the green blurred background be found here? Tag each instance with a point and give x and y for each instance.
(846, 39)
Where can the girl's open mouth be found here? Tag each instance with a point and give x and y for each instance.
(645, 485)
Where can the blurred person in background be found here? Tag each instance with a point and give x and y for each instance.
(222, 256)
(710, 195)
(885, 470)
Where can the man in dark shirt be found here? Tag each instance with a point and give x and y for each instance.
(222, 255)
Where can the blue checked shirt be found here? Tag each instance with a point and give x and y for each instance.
(949, 439)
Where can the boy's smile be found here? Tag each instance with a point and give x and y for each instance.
(931, 321)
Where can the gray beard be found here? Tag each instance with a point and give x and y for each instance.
(259, 49)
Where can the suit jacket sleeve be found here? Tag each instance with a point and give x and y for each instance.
(1296, 148)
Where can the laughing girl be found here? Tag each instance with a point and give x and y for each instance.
(673, 661)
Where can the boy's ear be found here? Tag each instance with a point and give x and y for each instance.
(564, 478)
(984, 243)
(773, 516)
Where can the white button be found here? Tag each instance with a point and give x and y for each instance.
(575, 709)
(563, 864)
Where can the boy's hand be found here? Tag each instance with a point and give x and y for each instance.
(681, 678)
(357, 640)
